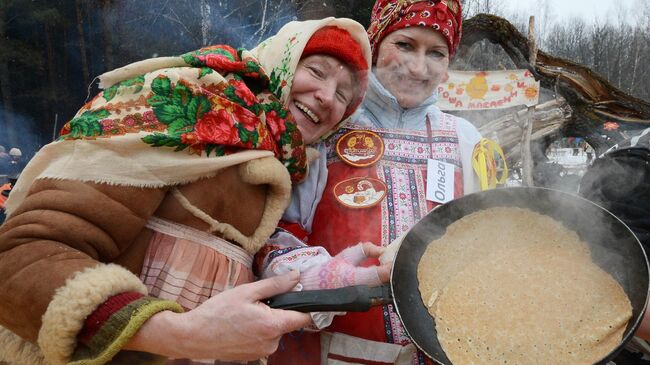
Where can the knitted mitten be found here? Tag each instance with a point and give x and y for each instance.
(340, 271)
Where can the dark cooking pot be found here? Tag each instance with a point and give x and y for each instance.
(614, 248)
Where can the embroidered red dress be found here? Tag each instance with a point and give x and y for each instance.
(377, 336)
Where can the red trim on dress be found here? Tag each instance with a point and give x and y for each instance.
(353, 360)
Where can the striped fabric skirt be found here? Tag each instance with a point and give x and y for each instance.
(189, 266)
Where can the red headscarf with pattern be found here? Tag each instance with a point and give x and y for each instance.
(444, 16)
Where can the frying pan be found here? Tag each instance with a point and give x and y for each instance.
(614, 248)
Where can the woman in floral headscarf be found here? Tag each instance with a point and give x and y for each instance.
(387, 145)
(158, 193)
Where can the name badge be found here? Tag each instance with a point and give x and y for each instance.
(440, 181)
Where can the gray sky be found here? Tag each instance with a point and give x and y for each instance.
(589, 10)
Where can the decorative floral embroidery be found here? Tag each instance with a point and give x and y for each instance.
(300, 254)
(280, 259)
(225, 59)
(135, 84)
(126, 105)
(279, 75)
(178, 108)
(85, 125)
(279, 252)
(239, 92)
(337, 273)
(215, 118)
(90, 125)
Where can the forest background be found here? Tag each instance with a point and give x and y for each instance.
(50, 51)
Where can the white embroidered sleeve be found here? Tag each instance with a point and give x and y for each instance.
(291, 254)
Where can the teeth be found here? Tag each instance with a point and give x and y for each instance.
(307, 111)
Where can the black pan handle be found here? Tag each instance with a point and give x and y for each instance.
(358, 298)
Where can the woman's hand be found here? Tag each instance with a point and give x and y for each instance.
(373, 251)
(233, 325)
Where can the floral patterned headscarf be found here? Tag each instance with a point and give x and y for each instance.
(224, 104)
(280, 54)
(172, 120)
(444, 16)
(217, 103)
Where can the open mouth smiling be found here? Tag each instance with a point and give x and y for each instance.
(307, 112)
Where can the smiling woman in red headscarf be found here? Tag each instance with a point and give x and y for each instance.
(378, 167)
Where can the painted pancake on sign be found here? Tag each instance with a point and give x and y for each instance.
(360, 192)
(360, 148)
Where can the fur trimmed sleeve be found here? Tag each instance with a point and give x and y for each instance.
(113, 299)
(51, 254)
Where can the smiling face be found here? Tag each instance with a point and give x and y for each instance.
(323, 88)
(411, 63)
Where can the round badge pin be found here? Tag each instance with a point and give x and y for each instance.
(360, 192)
(360, 148)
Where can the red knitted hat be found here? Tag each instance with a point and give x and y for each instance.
(336, 42)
